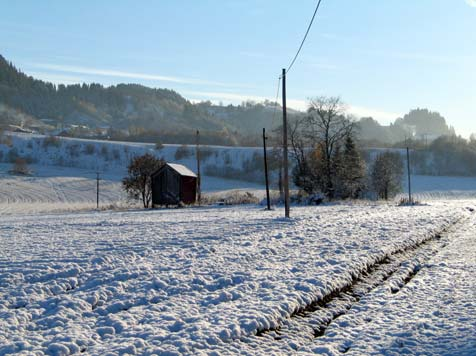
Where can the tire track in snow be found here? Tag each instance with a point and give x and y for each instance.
(314, 318)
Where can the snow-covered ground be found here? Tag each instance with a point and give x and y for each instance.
(55, 189)
(435, 314)
(441, 187)
(64, 173)
(205, 280)
(112, 157)
(61, 189)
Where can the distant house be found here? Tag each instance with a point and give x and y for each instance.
(173, 184)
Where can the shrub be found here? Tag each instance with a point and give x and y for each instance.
(159, 145)
(73, 150)
(230, 172)
(51, 141)
(408, 202)
(6, 140)
(104, 152)
(182, 153)
(206, 152)
(20, 167)
(116, 155)
(12, 155)
(89, 149)
(234, 197)
(227, 159)
(255, 163)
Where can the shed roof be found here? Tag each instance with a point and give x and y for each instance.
(182, 170)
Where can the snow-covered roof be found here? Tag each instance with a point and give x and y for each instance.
(182, 170)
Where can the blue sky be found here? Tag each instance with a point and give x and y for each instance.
(382, 57)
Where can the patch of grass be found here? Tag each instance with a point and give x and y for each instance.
(234, 197)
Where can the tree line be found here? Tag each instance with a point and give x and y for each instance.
(327, 160)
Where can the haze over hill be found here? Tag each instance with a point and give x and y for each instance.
(139, 113)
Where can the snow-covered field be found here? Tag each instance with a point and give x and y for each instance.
(206, 280)
(441, 187)
(356, 278)
(62, 189)
(435, 314)
(55, 189)
(64, 173)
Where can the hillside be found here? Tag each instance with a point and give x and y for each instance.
(126, 109)
(133, 112)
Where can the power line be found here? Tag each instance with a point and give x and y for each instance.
(305, 36)
(276, 100)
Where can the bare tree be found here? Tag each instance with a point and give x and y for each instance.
(298, 141)
(138, 181)
(300, 147)
(328, 129)
(387, 174)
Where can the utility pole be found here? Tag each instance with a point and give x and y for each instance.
(97, 190)
(199, 192)
(266, 169)
(285, 150)
(410, 201)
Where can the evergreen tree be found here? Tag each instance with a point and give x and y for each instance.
(353, 171)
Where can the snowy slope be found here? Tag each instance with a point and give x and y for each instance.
(433, 314)
(169, 282)
(113, 157)
(60, 189)
(55, 189)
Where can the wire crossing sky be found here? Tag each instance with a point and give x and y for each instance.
(382, 57)
(305, 36)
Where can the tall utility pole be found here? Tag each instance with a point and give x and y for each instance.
(266, 169)
(285, 149)
(410, 201)
(199, 192)
(97, 190)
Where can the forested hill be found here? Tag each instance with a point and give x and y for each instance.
(131, 108)
(138, 113)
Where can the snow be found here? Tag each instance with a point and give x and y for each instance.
(441, 187)
(182, 170)
(434, 314)
(207, 280)
(203, 280)
(55, 189)
(61, 189)
(114, 156)
(64, 172)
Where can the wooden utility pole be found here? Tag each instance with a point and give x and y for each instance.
(266, 170)
(199, 192)
(285, 150)
(280, 181)
(410, 201)
(97, 190)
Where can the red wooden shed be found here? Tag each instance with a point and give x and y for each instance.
(173, 184)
